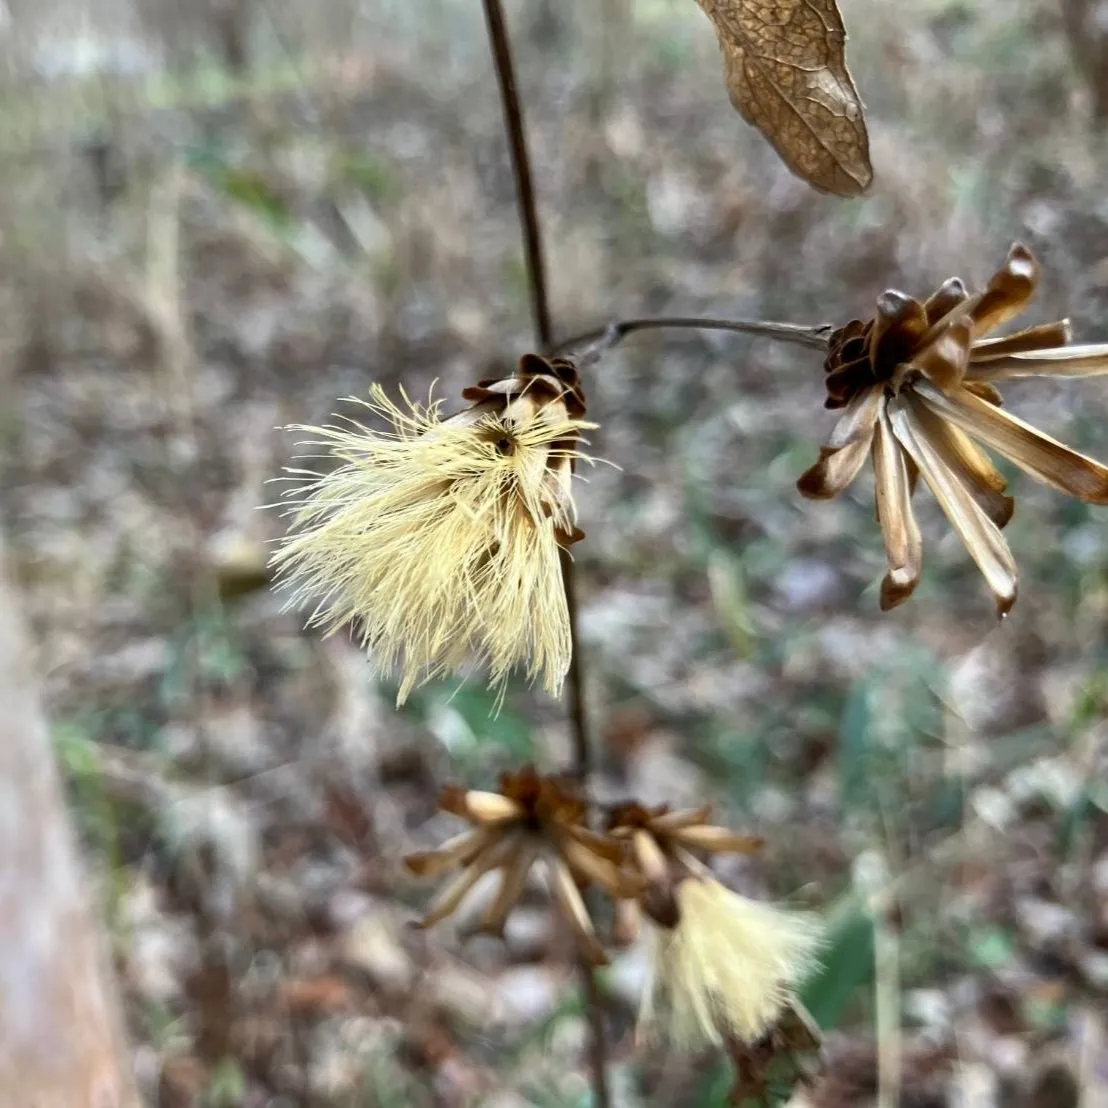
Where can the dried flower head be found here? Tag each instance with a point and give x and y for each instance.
(440, 538)
(917, 385)
(661, 844)
(724, 967)
(534, 820)
(787, 1054)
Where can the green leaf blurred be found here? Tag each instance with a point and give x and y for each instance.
(846, 965)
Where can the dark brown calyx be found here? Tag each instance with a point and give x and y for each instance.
(860, 355)
(544, 799)
(546, 380)
(847, 364)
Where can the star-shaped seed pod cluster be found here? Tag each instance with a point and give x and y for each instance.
(532, 822)
(661, 844)
(916, 385)
(724, 968)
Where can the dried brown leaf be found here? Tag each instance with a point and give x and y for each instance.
(785, 65)
(312, 997)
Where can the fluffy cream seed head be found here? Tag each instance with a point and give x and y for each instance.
(727, 970)
(439, 539)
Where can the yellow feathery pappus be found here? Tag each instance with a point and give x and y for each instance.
(439, 538)
(728, 970)
(724, 968)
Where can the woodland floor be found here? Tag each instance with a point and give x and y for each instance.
(246, 789)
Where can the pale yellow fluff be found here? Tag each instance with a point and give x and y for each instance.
(726, 970)
(437, 540)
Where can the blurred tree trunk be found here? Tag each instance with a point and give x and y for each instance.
(1086, 24)
(60, 1039)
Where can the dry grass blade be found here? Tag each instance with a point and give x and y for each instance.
(785, 64)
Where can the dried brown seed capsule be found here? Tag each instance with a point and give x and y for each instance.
(917, 389)
(534, 821)
(661, 844)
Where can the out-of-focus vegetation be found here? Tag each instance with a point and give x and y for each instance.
(218, 220)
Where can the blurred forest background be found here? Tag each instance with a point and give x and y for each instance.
(219, 217)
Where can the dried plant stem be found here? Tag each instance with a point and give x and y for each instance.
(521, 167)
(887, 1004)
(575, 686)
(540, 310)
(600, 340)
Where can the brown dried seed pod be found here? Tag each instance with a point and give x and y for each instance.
(917, 389)
(534, 821)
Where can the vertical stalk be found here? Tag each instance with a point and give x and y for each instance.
(521, 167)
(540, 312)
(575, 685)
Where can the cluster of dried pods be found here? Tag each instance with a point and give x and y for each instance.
(440, 541)
(724, 968)
(917, 389)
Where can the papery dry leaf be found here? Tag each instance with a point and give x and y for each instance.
(785, 65)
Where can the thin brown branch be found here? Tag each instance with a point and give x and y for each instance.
(521, 167)
(540, 310)
(600, 340)
(575, 685)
